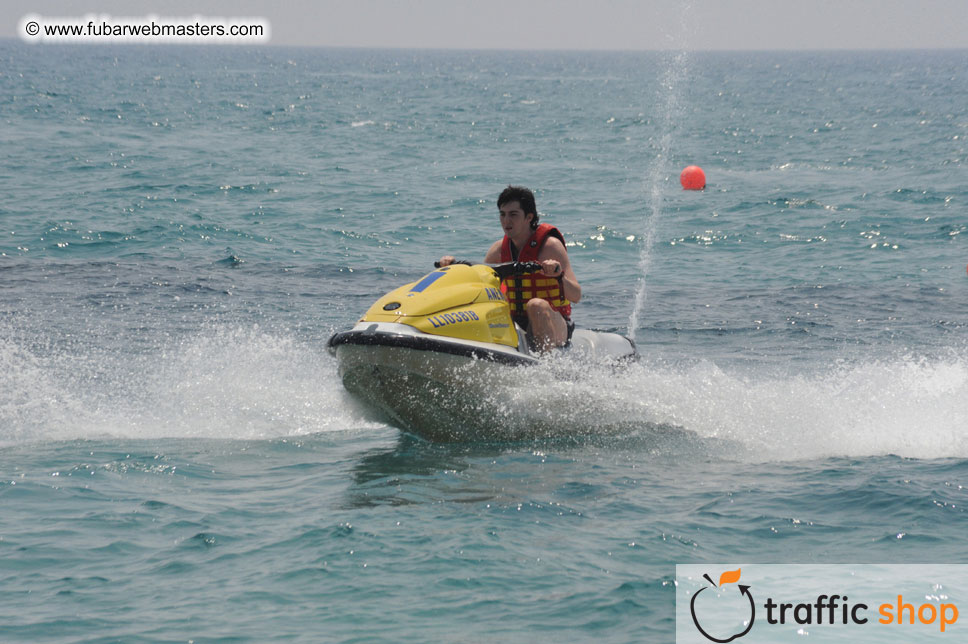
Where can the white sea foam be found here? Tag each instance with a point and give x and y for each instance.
(232, 383)
(907, 406)
(221, 383)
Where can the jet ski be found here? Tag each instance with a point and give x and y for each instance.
(427, 355)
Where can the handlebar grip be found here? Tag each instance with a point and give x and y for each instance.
(456, 261)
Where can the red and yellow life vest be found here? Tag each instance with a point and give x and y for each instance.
(523, 288)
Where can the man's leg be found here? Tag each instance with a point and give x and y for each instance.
(547, 326)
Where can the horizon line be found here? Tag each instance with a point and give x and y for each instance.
(270, 45)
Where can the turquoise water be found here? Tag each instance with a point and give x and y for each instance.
(184, 228)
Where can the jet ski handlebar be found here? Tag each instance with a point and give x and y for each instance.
(513, 269)
(509, 269)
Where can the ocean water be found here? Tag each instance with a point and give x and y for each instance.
(183, 228)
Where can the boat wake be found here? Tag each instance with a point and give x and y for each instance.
(250, 383)
(234, 383)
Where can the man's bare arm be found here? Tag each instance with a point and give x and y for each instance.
(553, 249)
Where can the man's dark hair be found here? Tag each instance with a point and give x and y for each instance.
(525, 199)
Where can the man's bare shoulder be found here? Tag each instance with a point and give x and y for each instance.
(553, 249)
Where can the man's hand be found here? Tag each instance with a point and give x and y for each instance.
(551, 268)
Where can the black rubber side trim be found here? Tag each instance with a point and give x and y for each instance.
(423, 343)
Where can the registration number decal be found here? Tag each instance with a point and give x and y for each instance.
(453, 318)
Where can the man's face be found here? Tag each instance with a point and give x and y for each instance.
(514, 221)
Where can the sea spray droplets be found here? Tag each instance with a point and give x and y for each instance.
(222, 382)
(245, 382)
(676, 70)
(860, 409)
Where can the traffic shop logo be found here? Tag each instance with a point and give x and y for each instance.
(742, 606)
(726, 611)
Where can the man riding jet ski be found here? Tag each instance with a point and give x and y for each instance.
(540, 301)
(428, 354)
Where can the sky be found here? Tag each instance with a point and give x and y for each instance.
(561, 24)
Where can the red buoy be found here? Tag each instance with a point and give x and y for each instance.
(692, 178)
